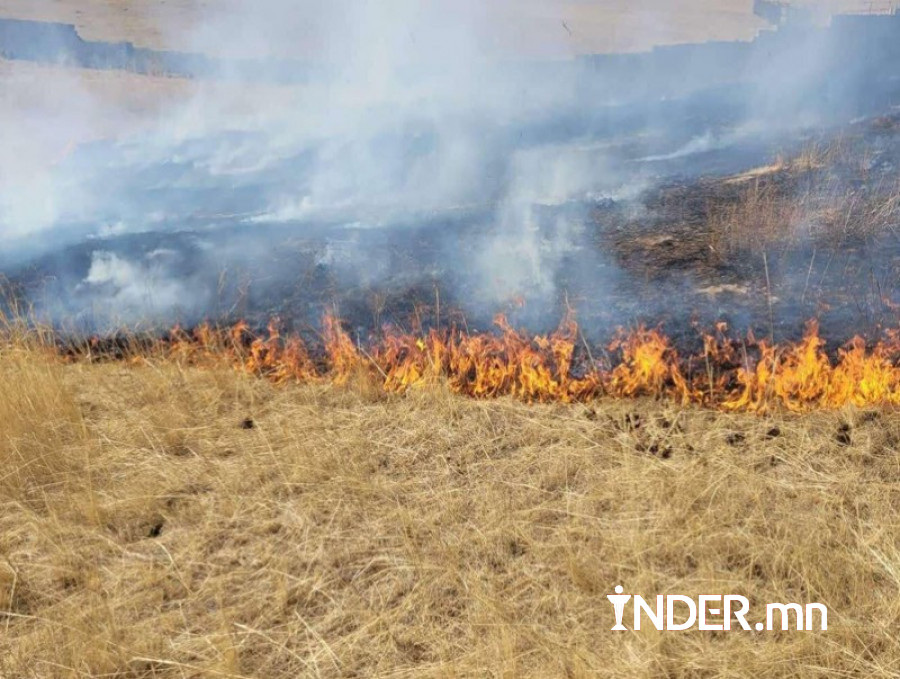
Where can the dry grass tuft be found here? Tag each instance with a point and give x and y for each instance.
(42, 426)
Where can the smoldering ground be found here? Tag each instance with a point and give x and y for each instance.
(423, 156)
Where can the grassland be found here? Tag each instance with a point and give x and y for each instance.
(161, 520)
(166, 521)
(526, 27)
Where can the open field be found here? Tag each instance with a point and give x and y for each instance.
(73, 106)
(383, 484)
(47, 112)
(166, 521)
(524, 28)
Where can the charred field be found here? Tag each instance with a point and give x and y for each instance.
(764, 235)
(694, 288)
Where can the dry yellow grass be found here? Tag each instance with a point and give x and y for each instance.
(525, 27)
(47, 112)
(146, 532)
(529, 27)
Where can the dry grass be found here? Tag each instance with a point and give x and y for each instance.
(48, 111)
(825, 195)
(531, 28)
(146, 530)
(528, 27)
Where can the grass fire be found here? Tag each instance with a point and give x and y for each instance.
(539, 339)
(730, 374)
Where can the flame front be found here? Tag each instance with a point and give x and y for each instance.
(746, 375)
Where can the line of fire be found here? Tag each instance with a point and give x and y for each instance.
(714, 223)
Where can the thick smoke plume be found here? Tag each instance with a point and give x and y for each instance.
(400, 118)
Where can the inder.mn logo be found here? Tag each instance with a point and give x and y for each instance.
(712, 612)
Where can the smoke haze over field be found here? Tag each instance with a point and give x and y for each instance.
(518, 28)
(435, 118)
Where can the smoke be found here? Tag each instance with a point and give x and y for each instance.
(136, 289)
(437, 120)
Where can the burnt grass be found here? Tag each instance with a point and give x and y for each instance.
(812, 235)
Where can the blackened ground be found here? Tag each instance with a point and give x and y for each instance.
(811, 235)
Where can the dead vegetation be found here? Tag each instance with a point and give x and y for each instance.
(813, 234)
(826, 196)
(147, 530)
(831, 194)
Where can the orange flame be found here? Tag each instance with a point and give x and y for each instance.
(747, 376)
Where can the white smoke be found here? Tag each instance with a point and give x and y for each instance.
(136, 290)
(404, 109)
